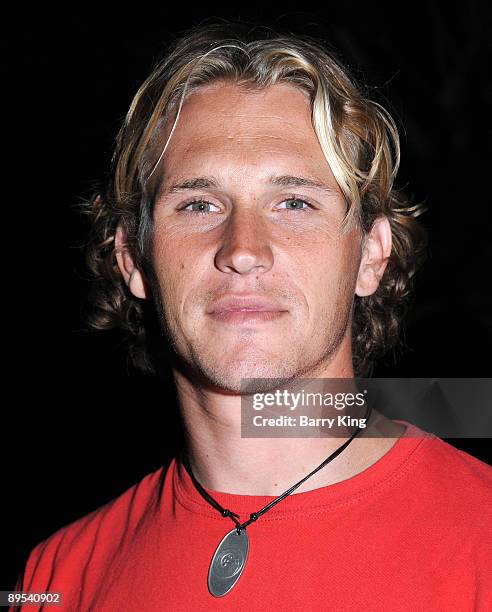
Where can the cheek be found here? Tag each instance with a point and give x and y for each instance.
(180, 273)
(170, 268)
(326, 270)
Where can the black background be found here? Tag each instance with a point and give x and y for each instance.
(80, 425)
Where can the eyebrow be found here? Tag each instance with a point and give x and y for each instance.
(301, 181)
(286, 180)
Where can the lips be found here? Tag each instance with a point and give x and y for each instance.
(236, 304)
(246, 310)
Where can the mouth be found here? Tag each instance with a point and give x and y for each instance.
(246, 310)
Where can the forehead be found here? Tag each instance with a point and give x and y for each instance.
(238, 129)
(246, 109)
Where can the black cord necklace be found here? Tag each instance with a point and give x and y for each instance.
(231, 554)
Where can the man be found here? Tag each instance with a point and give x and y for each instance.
(251, 201)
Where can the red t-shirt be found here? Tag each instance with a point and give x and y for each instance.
(411, 532)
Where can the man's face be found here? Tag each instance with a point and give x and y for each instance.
(256, 277)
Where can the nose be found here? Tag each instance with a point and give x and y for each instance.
(245, 246)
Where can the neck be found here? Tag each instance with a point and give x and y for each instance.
(222, 460)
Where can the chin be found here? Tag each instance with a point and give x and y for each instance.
(268, 373)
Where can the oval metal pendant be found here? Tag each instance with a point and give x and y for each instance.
(228, 562)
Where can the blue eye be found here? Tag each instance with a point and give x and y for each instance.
(294, 204)
(200, 206)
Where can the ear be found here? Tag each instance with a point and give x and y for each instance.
(131, 274)
(375, 254)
